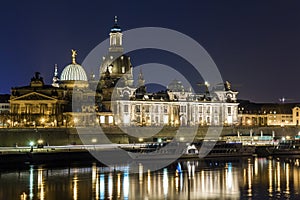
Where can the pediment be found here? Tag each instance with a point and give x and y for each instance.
(34, 96)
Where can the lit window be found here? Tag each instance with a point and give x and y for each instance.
(166, 119)
(123, 70)
(110, 119)
(102, 119)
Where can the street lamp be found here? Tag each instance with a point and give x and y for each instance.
(8, 122)
(42, 121)
(31, 143)
(65, 123)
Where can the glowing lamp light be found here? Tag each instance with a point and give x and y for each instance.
(141, 139)
(31, 143)
(43, 120)
(249, 122)
(40, 141)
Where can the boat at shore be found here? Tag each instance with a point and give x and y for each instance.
(285, 147)
(203, 149)
(210, 149)
(130, 152)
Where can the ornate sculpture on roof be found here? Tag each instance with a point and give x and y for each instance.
(74, 54)
(37, 81)
(227, 86)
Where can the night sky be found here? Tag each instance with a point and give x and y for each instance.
(255, 44)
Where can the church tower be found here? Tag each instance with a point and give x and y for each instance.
(115, 38)
(117, 63)
(116, 77)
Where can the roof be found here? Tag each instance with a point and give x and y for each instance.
(4, 98)
(73, 72)
(266, 108)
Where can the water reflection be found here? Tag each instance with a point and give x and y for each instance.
(75, 187)
(41, 192)
(249, 178)
(31, 183)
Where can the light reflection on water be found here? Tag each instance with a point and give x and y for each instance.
(237, 179)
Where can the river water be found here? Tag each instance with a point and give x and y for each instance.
(249, 178)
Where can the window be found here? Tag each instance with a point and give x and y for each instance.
(147, 109)
(125, 108)
(102, 119)
(182, 108)
(166, 119)
(110, 119)
(208, 119)
(137, 108)
(200, 109)
(229, 110)
(165, 109)
(297, 114)
(156, 109)
(208, 110)
(123, 70)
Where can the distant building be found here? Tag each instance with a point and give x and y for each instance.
(269, 114)
(4, 110)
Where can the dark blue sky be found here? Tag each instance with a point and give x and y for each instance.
(255, 44)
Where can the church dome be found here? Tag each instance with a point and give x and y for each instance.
(176, 86)
(117, 64)
(73, 72)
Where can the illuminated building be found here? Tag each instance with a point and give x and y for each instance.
(71, 100)
(4, 110)
(269, 114)
(127, 105)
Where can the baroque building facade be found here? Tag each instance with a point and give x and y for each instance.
(129, 105)
(116, 99)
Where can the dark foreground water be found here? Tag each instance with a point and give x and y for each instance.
(255, 178)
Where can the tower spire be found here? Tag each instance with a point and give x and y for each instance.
(55, 78)
(116, 19)
(141, 80)
(55, 70)
(115, 36)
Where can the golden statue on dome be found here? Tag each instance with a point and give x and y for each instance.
(74, 54)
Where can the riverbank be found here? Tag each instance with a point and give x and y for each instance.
(11, 137)
(15, 156)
